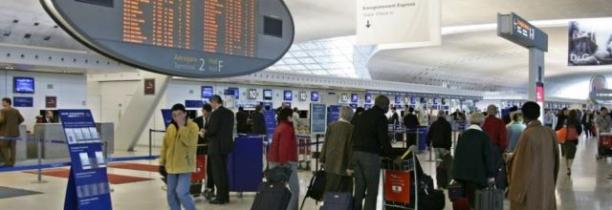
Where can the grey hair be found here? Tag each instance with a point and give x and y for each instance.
(346, 113)
(477, 118)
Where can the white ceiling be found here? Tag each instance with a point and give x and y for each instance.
(478, 60)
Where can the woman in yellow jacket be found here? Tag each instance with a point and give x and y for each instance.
(178, 158)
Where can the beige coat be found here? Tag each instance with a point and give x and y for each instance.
(534, 170)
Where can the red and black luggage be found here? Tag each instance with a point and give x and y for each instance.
(272, 197)
(604, 148)
(197, 177)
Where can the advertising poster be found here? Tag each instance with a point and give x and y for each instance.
(288, 95)
(149, 86)
(590, 42)
(50, 101)
(88, 187)
(318, 118)
(270, 118)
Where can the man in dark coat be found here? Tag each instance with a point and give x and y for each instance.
(412, 123)
(370, 141)
(242, 119)
(219, 132)
(259, 121)
(440, 135)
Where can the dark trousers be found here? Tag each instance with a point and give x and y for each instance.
(210, 183)
(8, 152)
(338, 183)
(470, 189)
(367, 179)
(219, 167)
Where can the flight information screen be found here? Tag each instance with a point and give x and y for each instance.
(195, 38)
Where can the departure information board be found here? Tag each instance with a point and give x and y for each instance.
(192, 38)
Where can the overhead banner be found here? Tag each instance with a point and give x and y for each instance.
(590, 42)
(398, 23)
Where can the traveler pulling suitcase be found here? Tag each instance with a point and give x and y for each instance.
(272, 197)
(490, 199)
(198, 176)
(337, 201)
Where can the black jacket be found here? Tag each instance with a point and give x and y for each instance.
(473, 159)
(370, 133)
(440, 134)
(411, 121)
(242, 119)
(259, 124)
(220, 131)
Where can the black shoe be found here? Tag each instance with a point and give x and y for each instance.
(219, 202)
(569, 172)
(208, 194)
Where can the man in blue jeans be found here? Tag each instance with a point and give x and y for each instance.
(370, 140)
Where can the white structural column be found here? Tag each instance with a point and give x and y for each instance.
(536, 74)
(138, 112)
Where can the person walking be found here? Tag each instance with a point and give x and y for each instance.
(561, 117)
(496, 130)
(209, 191)
(10, 119)
(515, 129)
(574, 129)
(219, 132)
(259, 121)
(440, 136)
(370, 140)
(587, 123)
(337, 152)
(283, 152)
(178, 158)
(411, 122)
(473, 164)
(535, 165)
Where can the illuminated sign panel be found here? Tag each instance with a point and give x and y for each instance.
(518, 30)
(190, 38)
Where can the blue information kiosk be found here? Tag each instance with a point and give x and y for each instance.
(88, 187)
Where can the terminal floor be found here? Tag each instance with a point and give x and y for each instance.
(588, 188)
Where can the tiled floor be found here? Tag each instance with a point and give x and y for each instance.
(588, 188)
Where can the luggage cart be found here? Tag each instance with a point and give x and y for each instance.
(604, 146)
(400, 183)
(304, 152)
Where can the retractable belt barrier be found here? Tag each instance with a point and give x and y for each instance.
(64, 164)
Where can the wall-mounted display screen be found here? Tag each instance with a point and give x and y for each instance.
(267, 94)
(232, 91)
(368, 98)
(314, 96)
(23, 85)
(354, 98)
(288, 95)
(207, 92)
(190, 38)
(23, 101)
(398, 99)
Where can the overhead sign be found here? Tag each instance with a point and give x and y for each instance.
(518, 30)
(190, 38)
(589, 42)
(409, 23)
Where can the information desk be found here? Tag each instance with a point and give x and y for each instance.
(54, 140)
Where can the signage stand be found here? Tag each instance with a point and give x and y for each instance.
(88, 187)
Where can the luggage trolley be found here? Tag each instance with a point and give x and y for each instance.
(199, 175)
(604, 146)
(304, 151)
(400, 182)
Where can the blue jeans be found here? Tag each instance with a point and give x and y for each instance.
(178, 192)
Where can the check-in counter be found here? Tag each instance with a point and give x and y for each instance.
(54, 140)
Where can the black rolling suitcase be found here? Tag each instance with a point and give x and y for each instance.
(272, 197)
(337, 201)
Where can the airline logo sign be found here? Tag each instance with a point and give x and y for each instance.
(398, 23)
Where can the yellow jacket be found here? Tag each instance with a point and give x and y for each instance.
(178, 152)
